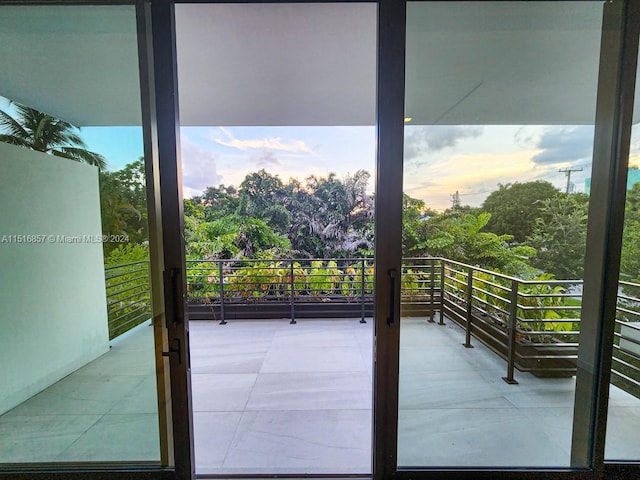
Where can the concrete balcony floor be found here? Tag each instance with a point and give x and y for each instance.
(270, 397)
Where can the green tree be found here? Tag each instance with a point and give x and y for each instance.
(560, 234)
(44, 133)
(218, 202)
(461, 236)
(123, 203)
(262, 196)
(630, 260)
(515, 208)
(330, 217)
(233, 236)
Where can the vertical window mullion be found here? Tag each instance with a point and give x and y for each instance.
(614, 108)
(388, 229)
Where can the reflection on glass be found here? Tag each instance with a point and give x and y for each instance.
(76, 349)
(498, 150)
(623, 421)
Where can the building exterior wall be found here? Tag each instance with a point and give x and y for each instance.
(633, 177)
(53, 318)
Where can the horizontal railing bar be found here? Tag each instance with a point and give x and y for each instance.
(120, 317)
(477, 280)
(114, 294)
(548, 357)
(548, 295)
(143, 301)
(565, 345)
(547, 333)
(505, 312)
(547, 308)
(630, 299)
(129, 322)
(626, 364)
(113, 267)
(630, 312)
(626, 378)
(139, 295)
(492, 295)
(122, 274)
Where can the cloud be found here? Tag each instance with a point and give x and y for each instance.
(527, 136)
(564, 145)
(421, 140)
(266, 144)
(199, 168)
(473, 175)
(265, 158)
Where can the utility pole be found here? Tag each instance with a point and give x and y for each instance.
(567, 172)
(455, 199)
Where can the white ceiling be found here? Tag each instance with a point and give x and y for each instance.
(494, 63)
(277, 64)
(311, 64)
(79, 63)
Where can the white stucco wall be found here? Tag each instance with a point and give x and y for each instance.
(53, 314)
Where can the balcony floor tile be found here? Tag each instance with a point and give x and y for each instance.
(301, 441)
(311, 391)
(270, 397)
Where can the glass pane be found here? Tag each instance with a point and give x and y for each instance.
(78, 380)
(623, 423)
(500, 107)
(278, 155)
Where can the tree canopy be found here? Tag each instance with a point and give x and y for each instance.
(560, 235)
(630, 260)
(123, 203)
(324, 217)
(515, 208)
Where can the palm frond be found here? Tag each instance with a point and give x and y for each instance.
(82, 155)
(12, 127)
(40, 131)
(59, 153)
(13, 140)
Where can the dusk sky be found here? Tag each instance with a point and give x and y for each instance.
(438, 159)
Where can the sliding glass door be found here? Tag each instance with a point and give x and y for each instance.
(277, 106)
(173, 311)
(493, 293)
(82, 374)
(500, 103)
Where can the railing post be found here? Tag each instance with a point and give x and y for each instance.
(432, 272)
(292, 290)
(441, 322)
(513, 325)
(467, 341)
(223, 321)
(362, 320)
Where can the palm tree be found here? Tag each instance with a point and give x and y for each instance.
(39, 131)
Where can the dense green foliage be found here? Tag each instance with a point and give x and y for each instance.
(560, 236)
(461, 236)
(232, 236)
(515, 208)
(123, 204)
(325, 217)
(630, 262)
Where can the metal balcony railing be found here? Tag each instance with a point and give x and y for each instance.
(128, 296)
(533, 324)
